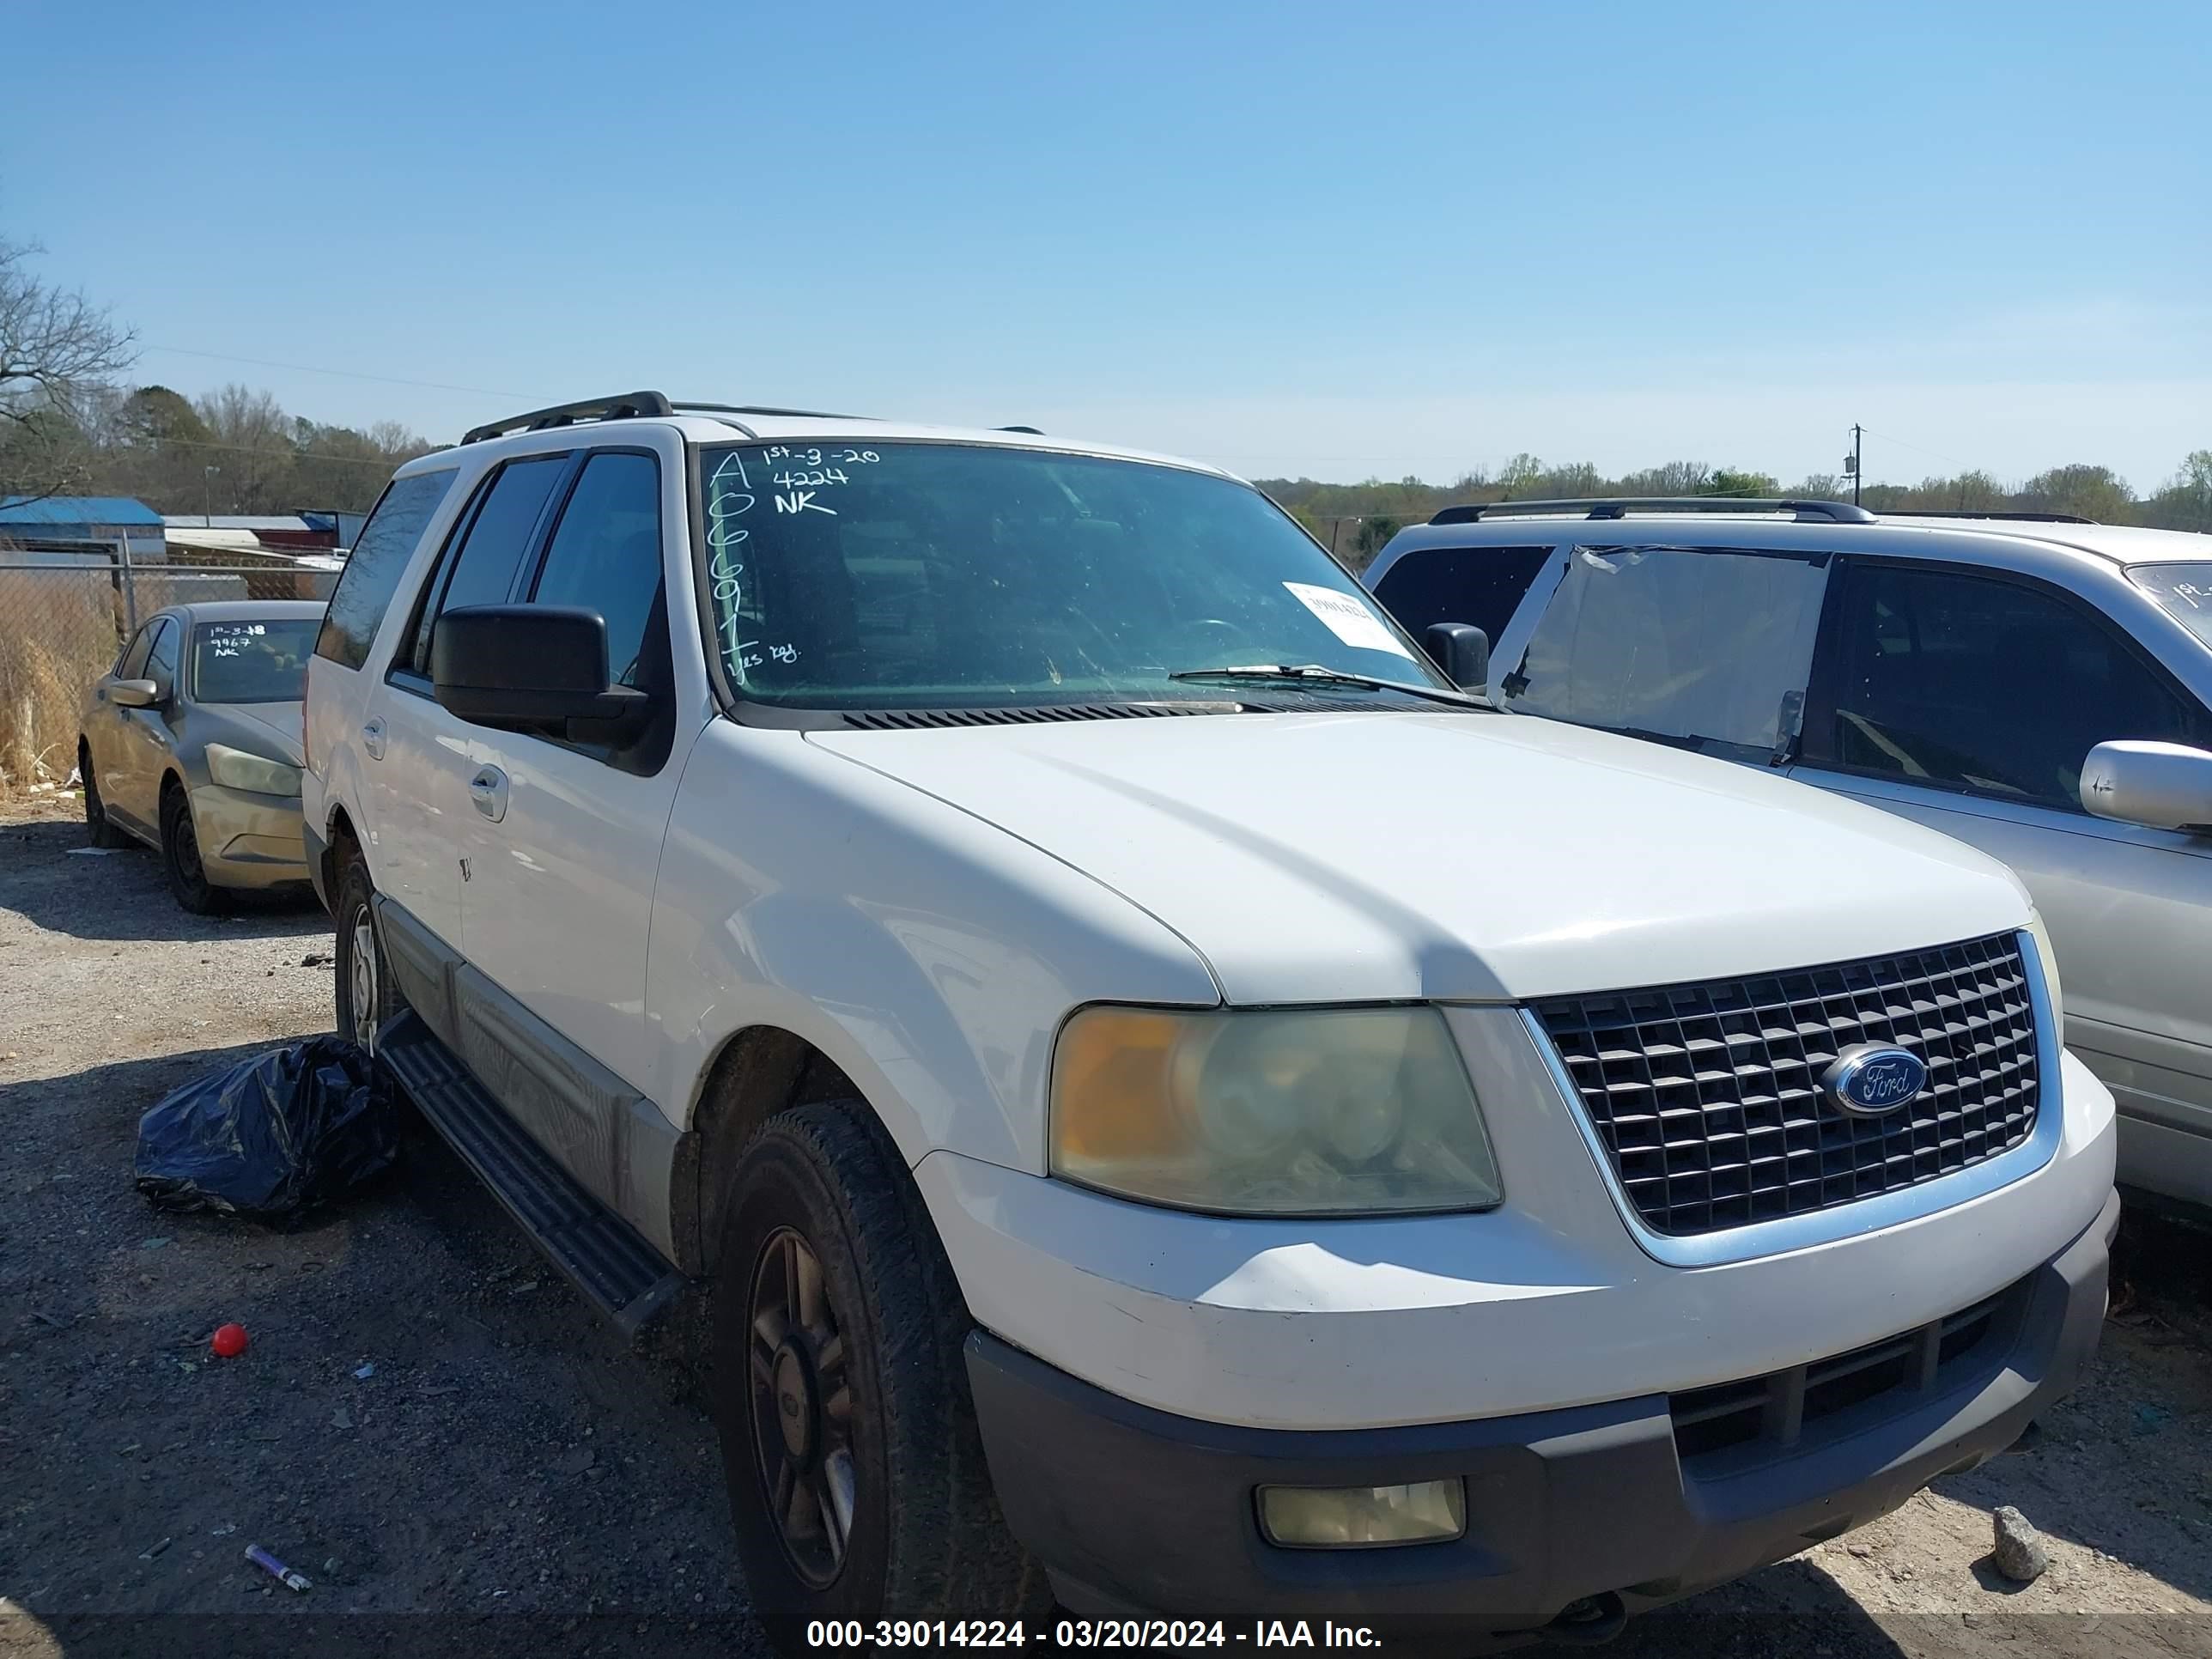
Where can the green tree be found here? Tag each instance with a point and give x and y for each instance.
(2186, 502)
(1727, 481)
(2093, 492)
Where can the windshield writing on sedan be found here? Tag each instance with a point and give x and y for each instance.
(252, 661)
(903, 574)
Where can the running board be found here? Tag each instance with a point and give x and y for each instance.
(604, 1256)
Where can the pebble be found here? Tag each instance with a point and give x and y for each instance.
(2020, 1554)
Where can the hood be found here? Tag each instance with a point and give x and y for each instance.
(1353, 857)
(268, 729)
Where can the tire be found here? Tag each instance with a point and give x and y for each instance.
(923, 1537)
(99, 829)
(366, 995)
(180, 857)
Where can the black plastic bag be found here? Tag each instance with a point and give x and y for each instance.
(271, 1135)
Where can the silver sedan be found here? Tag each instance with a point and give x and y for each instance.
(192, 743)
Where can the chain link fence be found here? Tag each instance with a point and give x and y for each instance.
(66, 611)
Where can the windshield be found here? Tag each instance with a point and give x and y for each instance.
(2185, 589)
(252, 661)
(917, 575)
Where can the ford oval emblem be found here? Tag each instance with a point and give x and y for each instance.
(1869, 1079)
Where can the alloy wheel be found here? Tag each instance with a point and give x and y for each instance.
(802, 1408)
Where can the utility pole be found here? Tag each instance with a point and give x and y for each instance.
(207, 492)
(1851, 462)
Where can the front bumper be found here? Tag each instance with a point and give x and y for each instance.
(248, 839)
(1133, 1510)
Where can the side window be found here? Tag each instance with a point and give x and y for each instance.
(479, 568)
(1973, 681)
(162, 656)
(1710, 647)
(605, 555)
(132, 667)
(1479, 585)
(379, 559)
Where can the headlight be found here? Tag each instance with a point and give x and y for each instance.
(1340, 1111)
(233, 769)
(2042, 936)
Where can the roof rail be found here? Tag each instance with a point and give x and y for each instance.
(1969, 513)
(627, 406)
(762, 409)
(1619, 506)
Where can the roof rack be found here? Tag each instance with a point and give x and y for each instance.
(633, 405)
(1969, 513)
(627, 406)
(763, 409)
(1619, 506)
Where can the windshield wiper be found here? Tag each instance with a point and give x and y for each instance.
(1312, 673)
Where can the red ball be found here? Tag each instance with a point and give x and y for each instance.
(228, 1341)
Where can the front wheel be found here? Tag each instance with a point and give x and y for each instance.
(180, 859)
(857, 1484)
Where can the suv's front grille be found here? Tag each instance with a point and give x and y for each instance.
(1707, 1097)
(1722, 1427)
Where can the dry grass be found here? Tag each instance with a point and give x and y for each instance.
(57, 634)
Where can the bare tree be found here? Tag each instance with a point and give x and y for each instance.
(57, 350)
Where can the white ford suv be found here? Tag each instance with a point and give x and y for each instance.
(1173, 1106)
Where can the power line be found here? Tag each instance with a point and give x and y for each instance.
(345, 373)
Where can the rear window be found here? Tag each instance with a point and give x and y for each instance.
(1483, 585)
(379, 559)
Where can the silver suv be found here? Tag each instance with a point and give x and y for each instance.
(2038, 686)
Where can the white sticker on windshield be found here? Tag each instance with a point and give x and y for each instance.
(1346, 617)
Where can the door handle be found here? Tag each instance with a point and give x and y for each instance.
(488, 789)
(372, 737)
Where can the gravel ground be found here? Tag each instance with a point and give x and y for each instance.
(509, 1478)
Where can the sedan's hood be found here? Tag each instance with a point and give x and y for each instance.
(1354, 857)
(268, 729)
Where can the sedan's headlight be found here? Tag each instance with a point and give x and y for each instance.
(1339, 1111)
(233, 769)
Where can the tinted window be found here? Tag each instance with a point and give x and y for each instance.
(1984, 685)
(1478, 585)
(161, 660)
(373, 570)
(606, 555)
(484, 571)
(251, 661)
(133, 665)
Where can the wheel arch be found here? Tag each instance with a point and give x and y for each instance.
(755, 1073)
(339, 836)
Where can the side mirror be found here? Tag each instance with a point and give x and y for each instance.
(133, 694)
(1463, 650)
(2165, 786)
(522, 667)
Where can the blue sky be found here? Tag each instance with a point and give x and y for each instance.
(1326, 239)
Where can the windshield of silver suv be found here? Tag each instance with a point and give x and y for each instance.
(917, 575)
(2184, 588)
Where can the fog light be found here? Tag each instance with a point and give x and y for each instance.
(1354, 1517)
